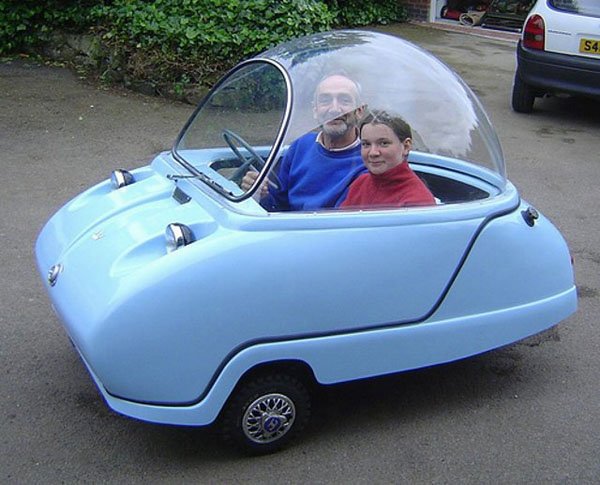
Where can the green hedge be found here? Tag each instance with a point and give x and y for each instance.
(182, 41)
(354, 13)
(25, 24)
(196, 40)
(223, 29)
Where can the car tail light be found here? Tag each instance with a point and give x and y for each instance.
(533, 33)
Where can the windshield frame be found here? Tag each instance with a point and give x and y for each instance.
(287, 110)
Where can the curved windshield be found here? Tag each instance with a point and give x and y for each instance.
(236, 127)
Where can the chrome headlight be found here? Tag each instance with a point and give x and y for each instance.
(177, 236)
(120, 178)
(53, 273)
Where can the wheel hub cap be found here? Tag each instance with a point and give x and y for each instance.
(268, 418)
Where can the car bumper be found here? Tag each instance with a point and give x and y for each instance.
(553, 72)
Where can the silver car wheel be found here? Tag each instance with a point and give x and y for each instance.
(268, 418)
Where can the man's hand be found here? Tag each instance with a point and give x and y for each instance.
(249, 179)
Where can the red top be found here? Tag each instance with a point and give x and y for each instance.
(398, 187)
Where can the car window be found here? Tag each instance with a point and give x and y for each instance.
(235, 128)
(583, 7)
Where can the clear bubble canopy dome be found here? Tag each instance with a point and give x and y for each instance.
(400, 78)
(268, 102)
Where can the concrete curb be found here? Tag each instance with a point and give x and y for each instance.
(511, 37)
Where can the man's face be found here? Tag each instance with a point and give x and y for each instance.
(336, 105)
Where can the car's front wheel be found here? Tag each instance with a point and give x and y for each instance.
(523, 96)
(265, 413)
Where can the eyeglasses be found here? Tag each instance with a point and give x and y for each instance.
(343, 99)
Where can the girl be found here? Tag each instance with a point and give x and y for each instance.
(390, 182)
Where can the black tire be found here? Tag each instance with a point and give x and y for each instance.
(523, 96)
(265, 413)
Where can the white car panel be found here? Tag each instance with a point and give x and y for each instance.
(565, 30)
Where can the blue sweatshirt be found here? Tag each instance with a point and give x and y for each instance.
(313, 177)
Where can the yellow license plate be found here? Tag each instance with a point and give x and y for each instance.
(589, 46)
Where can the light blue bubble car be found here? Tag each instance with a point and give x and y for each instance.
(192, 301)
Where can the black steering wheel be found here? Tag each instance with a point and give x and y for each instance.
(255, 159)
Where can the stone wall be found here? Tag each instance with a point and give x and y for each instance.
(417, 9)
(88, 55)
